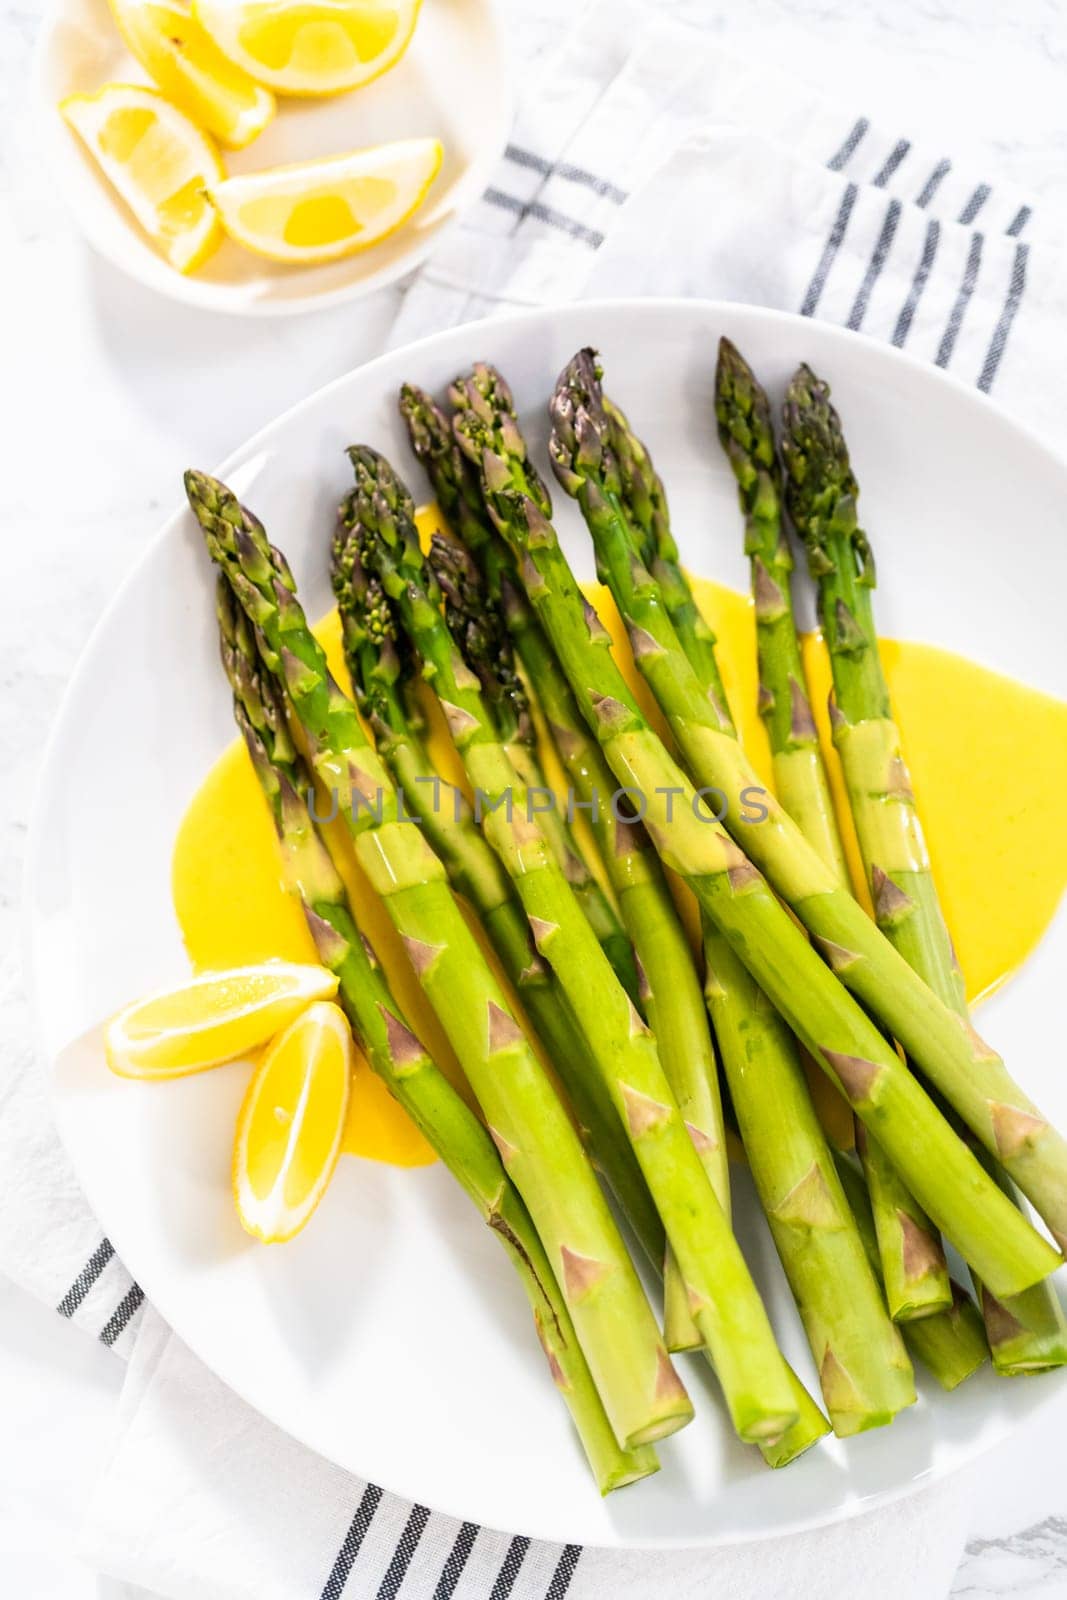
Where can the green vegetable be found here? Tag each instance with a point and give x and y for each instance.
(670, 986)
(726, 1304)
(942, 1172)
(642, 1395)
(393, 1051)
(1028, 1333)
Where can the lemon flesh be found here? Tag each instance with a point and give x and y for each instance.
(214, 1017)
(318, 47)
(322, 210)
(191, 70)
(291, 1124)
(157, 161)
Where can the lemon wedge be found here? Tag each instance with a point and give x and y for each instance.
(192, 71)
(159, 163)
(291, 1123)
(320, 210)
(309, 47)
(214, 1017)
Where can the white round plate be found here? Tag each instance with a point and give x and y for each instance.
(390, 1335)
(452, 82)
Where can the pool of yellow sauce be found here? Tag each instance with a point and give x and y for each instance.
(999, 848)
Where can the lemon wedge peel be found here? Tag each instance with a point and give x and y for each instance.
(212, 1018)
(141, 143)
(192, 72)
(320, 30)
(305, 214)
(291, 1124)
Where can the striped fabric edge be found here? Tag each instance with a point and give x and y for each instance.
(972, 269)
(874, 268)
(918, 284)
(1016, 287)
(856, 143)
(122, 1315)
(564, 170)
(124, 1309)
(891, 163)
(499, 1585)
(834, 241)
(542, 213)
(85, 1279)
(966, 289)
(552, 216)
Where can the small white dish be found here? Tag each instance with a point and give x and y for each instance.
(391, 1336)
(452, 83)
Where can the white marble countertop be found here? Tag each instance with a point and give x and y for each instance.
(108, 391)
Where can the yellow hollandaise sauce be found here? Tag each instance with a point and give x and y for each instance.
(998, 846)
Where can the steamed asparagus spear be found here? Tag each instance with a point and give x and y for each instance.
(431, 439)
(383, 672)
(642, 1395)
(673, 995)
(969, 1074)
(913, 1262)
(951, 1344)
(1030, 1333)
(488, 648)
(393, 1051)
(946, 1176)
(743, 415)
(671, 988)
(864, 1370)
(726, 1305)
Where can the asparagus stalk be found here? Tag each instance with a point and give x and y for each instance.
(642, 1395)
(490, 653)
(432, 442)
(670, 986)
(863, 1367)
(943, 1173)
(674, 1002)
(746, 433)
(467, 599)
(726, 1304)
(951, 1344)
(382, 671)
(969, 1074)
(1031, 1334)
(395, 1054)
(913, 1261)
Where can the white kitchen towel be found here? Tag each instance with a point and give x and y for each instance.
(649, 161)
(50, 1242)
(206, 1501)
(643, 160)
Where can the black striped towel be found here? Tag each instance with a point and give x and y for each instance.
(635, 167)
(649, 162)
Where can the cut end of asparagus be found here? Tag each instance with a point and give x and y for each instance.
(806, 1431)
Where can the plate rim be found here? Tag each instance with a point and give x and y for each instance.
(51, 757)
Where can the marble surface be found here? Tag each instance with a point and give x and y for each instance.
(108, 391)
